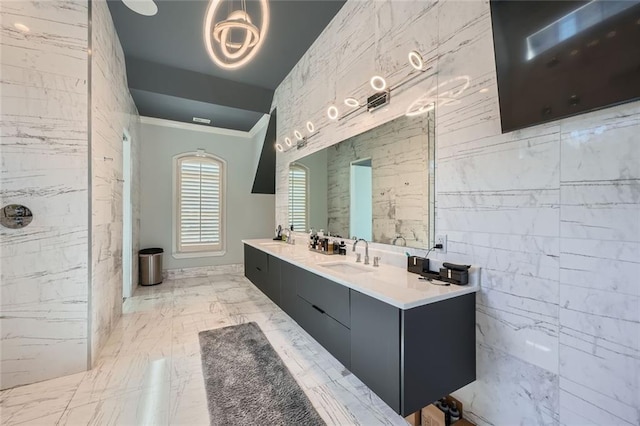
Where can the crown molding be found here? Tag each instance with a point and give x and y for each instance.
(206, 129)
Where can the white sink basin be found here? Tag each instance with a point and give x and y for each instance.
(347, 268)
(273, 244)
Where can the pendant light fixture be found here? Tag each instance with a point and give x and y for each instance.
(223, 50)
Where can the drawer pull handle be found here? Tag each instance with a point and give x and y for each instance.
(258, 268)
(317, 309)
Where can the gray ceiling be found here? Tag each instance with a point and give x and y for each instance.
(171, 75)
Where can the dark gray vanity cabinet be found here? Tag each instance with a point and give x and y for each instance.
(271, 286)
(408, 357)
(375, 346)
(438, 350)
(321, 307)
(288, 290)
(412, 357)
(256, 266)
(263, 271)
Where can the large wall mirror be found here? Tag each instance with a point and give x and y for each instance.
(378, 185)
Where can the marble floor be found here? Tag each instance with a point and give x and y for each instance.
(149, 372)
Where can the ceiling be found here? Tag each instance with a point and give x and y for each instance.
(171, 75)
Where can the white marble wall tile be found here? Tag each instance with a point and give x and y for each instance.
(600, 265)
(44, 166)
(509, 391)
(112, 111)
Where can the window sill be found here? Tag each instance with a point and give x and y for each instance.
(191, 255)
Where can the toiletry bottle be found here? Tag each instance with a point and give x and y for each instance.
(321, 233)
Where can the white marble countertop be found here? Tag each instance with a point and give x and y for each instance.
(387, 283)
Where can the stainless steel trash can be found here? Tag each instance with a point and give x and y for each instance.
(150, 266)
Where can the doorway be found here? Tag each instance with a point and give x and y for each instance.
(361, 206)
(127, 222)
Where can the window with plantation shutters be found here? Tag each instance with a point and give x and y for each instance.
(298, 201)
(199, 204)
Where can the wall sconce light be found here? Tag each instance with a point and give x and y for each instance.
(415, 60)
(378, 83)
(310, 127)
(332, 112)
(382, 96)
(352, 102)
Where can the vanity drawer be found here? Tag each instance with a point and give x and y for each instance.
(329, 296)
(332, 335)
(256, 266)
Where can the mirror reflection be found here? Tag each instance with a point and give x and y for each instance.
(378, 185)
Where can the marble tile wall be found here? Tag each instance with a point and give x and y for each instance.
(44, 156)
(551, 213)
(112, 110)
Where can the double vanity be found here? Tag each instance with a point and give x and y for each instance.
(410, 341)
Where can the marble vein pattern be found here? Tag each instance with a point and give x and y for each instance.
(149, 371)
(112, 111)
(44, 150)
(550, 214)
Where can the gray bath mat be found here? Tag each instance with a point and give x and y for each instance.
(247, 383)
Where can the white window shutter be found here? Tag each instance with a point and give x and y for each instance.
(200, 202)
(298, 198)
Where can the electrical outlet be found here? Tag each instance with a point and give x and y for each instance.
(442, 239)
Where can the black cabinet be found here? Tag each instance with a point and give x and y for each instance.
(334, 336)
(256, 266)
(408, 357)
(271, 287)
(375, 346)
(412, 357)
(330, 297)
(438, 347)
(288, 291)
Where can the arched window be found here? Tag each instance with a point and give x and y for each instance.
(298, 197)
(199, 205)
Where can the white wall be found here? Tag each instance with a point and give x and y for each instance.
(44, 154)
(247, 215)
(550, 213)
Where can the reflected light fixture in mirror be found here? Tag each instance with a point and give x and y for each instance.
(287, 141)
(297, 134)
(217, 35)
(279, 147)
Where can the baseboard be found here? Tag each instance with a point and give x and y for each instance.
(202, 271)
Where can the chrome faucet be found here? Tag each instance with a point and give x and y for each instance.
(399, 237)
(366, 250)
